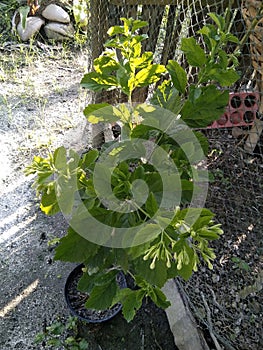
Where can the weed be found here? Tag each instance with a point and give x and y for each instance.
(62, 334)
(218, 175)
(240, 264)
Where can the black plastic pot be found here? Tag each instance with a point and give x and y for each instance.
(76, 299)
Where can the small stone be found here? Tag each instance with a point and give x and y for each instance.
(215, 278)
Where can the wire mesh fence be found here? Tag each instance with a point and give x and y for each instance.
(227, 301)
(168, 22)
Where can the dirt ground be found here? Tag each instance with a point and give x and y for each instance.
(227, 301)
(40, 108)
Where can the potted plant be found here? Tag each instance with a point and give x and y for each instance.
(131, 204)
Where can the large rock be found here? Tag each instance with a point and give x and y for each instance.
(59, 31)
(55, 13)
(33, 25)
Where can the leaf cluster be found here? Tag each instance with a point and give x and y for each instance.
(123, 65)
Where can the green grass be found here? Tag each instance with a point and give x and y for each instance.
(7, 10)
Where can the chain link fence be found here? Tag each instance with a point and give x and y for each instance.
(227, 301)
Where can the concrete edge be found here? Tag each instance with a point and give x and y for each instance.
(181, 320)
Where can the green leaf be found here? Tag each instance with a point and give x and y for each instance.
(66, 182)
(225, 77)
(232, 38)
(106, 64)
(60, 158)
(208, 234)
(167, 97)
(149, 75)
(139, 250)
(196, 217)
(219, 20)
(156, 276)
(71, 341)
(123, 78)
(86, 283)
(138, 173)
(101, 297)
(207, 106)
(185, 259)
(89, 158)
(122, 257)
(159, 298)
(49, 204)
(74, 248)
(187, 191)
(203, 142)
(223, 59)
(54, 342)
(147, 233)
(114, 30)
(83, 345)
(195, 55)
(107, 114)
(137, 24)
(23, 11)
(131, 301)
(98, 82)
(204, 218)
(178, 75)
(56, 328)
(151, 205)
(94, 107)
(106, 278)
(136, 47)
(141, 62)
(39, 338)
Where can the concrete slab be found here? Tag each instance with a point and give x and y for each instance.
(182, 324)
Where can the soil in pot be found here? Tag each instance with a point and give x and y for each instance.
(76, 300)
